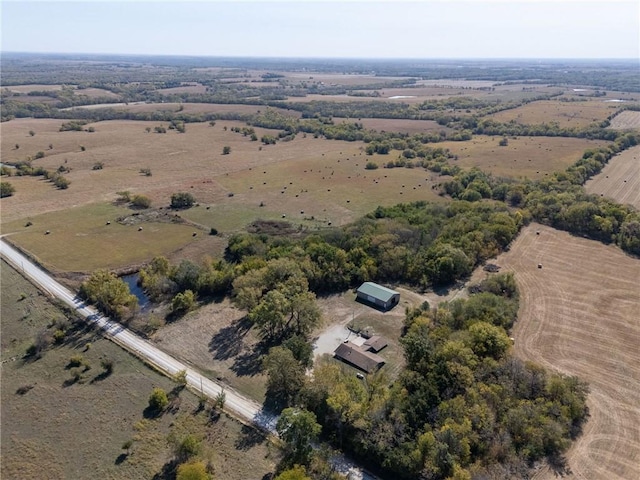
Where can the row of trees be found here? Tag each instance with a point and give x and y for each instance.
(560, 200)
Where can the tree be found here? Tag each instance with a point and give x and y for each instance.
(298, 429)
(158, 400)
(297, 472)
(226, 150)
(182, 200)
(109, 293)
(6, 189)
(183, 302)
(488, 340)
(285, 375)
(181, 378)
(192, 471)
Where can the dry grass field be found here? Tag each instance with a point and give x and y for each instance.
(194, 108)
(566, 114)
(324, 179)
(579, 316)
(396, 125)
(32, 88)
(217, 339)
(628, 119)
(58, 429)
(530, 157)
(619, 179)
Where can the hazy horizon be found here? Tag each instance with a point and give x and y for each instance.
(340, 30)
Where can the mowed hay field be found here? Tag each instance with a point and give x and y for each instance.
(619, 179)
(566, 114)
(579, 316)
(530, 157)
(628, 119)
(59, 429)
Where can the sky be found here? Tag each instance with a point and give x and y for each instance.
(326, 29)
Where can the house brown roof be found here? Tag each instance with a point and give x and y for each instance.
(376, 343)
(351, 353)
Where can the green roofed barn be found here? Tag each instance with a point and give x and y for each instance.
(377, 295)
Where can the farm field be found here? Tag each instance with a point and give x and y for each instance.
(324, 179)
(566, 114)
(627, 119)
(396, 125)
(57, 430)
(82, 241)
(530, 157)
(579, 316)
(177, 161)
(194, 108)
(619, 179)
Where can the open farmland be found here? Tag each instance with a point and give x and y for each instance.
(401, 125)
(193, 108)
(619, 179)
(324, 179)
(55, 428)
(82, 241)
(566, 114)
(530, 157)
(579, 316)
(628, 119)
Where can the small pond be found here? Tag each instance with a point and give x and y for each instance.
(143, 300)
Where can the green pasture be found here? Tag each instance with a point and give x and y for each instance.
(80, 240)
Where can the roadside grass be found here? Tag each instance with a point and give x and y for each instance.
(523, 157)
(55, 428)
(81, 241)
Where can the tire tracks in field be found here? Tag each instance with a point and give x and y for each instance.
(578, 315)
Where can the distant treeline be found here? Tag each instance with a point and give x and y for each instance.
(20, 69)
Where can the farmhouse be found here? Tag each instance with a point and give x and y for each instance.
(354, 355)
(378, 295)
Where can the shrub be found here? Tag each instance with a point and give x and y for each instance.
(98, 166)
(6, 189)
(141, 201)
(213, 231)
(58, 336)
(76, 361)
(182, 200)
(371, 166)
(226, 150)
(158, 399)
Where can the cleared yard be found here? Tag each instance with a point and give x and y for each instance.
(620, 178)
(579, 316)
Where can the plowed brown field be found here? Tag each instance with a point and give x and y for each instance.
(580, 315)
